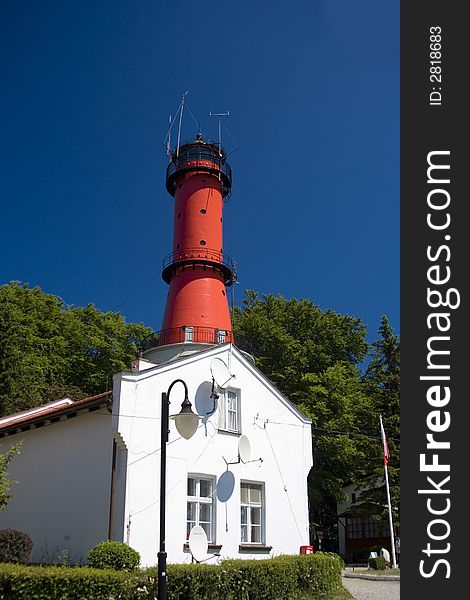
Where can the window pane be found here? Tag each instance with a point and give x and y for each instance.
(191, 486)
(244, 492)
(231, 400)
(232, 421)
(244, 533)
(255, 534)
(205, 488)
(256, 516)
(205, 511)
(255, 494)
(191, 511)
(244, 515)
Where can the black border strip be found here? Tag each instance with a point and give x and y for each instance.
(425, 128)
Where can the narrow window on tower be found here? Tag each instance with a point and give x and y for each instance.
(221, 336)
(188, 334)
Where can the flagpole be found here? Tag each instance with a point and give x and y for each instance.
(390, 520)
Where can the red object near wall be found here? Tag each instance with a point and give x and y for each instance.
(306, 550)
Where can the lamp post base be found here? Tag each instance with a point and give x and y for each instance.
(162, 576)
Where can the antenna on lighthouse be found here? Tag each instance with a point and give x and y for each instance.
(179, 125)
(219, 115)
(168, 146)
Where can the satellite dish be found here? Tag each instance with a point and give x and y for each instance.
(198, 544)
(220, 372)
(244, 449)
(225, 486)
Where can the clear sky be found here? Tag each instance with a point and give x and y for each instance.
(313, 140)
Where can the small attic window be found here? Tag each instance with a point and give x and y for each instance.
(229, 411)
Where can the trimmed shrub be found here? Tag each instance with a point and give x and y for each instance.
(114, 555)
(312, 577)
(378, 563)
(18, 582)
(15, 546)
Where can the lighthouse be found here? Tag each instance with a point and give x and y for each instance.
(197, 269)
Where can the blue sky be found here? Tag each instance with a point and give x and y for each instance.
(313, 139)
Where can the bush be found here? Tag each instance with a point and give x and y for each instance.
(315, 577)
(15, 546)
(114, 555)
(293, 577)
(378, 563)
(18, 582)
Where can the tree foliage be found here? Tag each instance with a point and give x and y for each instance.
(49, 349)
(382, 383)
(315, 359)
(5, 482)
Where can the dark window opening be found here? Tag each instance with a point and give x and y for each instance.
(203, 242)
(203, 211)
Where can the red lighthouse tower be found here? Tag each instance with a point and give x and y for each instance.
(197, 270)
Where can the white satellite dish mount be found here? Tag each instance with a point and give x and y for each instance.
(244, 452)
(221, 377)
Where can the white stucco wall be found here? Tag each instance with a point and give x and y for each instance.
(277, 433)
(62, 496)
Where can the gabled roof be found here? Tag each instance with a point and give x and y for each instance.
(51, 412)
(189, 358)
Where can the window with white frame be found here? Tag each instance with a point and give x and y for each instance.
(229, 410)
(221, 335)
(252, 513)
(200, 505)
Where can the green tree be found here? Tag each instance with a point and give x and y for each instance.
(49, 349)
(382, 384)
(5, 482)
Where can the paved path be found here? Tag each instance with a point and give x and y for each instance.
(366, 589)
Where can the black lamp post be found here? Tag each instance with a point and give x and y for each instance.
(186, 422)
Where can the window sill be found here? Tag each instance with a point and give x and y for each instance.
(211, 548)
(254, 548)
(229, 432)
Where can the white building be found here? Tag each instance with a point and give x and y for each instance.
(86, 475)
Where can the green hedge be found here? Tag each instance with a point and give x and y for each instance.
(64, 583)
(282, 578)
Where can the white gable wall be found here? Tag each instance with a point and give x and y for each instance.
(62, 496)
(277, 433)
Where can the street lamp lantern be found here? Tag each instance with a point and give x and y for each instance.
(186, 422)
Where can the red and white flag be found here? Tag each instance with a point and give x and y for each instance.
(384, 443)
